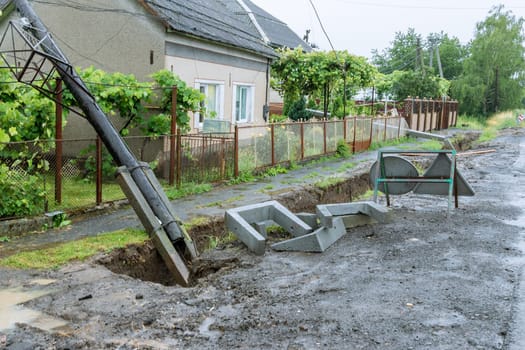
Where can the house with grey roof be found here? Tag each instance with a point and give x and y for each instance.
(224, 48)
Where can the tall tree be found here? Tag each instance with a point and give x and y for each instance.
(401, 55)
(319, 74)
(494, 73)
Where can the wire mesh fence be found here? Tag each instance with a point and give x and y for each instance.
(34, 180)
(84, 176)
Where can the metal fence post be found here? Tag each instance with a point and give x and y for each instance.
(179, 159)
(58, 142)
(98, 160)
(236, 152)
(173, 133)
(302, 140)
(355, 133)
(272, 135)
(324, 136)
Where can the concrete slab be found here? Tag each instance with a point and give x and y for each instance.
(240, 220)
(317, 241)
(311, 220)
(328, 212)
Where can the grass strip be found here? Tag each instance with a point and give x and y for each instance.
(60, 254)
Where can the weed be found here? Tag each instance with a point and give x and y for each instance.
(471, 123)
(365, 196)
(268, 187)
(274, 171)
(488, 134)
(187, 189)
(311, 175)
(196, 221)
(329, 181)
(244, 176)
(4, 239)
(342, 149)
(215, 241)
(222, 202)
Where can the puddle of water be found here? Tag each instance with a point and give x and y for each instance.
(12, 313)
(42, 282)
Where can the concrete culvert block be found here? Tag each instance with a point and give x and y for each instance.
(317, 241)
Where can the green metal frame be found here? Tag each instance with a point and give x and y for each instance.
(380, 176)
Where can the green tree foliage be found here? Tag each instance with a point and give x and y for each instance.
(494, 73)
(451, 52)
(297, 110)
(410, 65)
(401, 84)
(25, 114)
(319, 74)
(401, 55)
(188, 100)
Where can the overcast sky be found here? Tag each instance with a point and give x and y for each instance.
(361, 26)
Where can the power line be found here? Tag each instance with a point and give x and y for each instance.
(322, 26)
(430, 7)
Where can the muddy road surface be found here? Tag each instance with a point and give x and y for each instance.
(421, 281)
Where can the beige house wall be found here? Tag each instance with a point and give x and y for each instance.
(121, 39)
(199, 61)
(125, 38)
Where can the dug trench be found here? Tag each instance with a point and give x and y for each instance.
(145, 263)
(142, 261)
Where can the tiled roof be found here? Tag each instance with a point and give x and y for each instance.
(278, 32)
(223, 21)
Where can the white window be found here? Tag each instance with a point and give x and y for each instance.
(213, 105)
(243, 103)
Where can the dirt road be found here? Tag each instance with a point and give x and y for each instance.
(422, 281)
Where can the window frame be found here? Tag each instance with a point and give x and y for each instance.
(250, 103)
(219, 99)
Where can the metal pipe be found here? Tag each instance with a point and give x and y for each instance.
(100, 122)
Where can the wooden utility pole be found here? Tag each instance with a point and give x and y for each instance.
(439, 62)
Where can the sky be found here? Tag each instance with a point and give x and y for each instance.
(362, 26)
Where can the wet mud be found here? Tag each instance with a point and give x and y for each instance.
(425, 280)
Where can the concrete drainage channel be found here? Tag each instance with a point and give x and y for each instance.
(143, 261)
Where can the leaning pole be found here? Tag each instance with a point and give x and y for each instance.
(145, 184)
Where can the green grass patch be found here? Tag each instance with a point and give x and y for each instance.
(311, 175)
(222, 202)
(329, 181)
(390, 143)
(215, 241)
(79, 250)
(196, 221)
(365, 196)
(470, 123)
(488, 134)
(79, 193)
(346, 166)
(187, 189)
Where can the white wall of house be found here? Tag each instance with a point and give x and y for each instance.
(228, 72)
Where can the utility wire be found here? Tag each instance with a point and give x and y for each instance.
(321, 24)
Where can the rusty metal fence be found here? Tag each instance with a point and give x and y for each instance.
(268, 145)
(84, 175)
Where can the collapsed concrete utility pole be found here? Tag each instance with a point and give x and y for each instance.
(148, 198)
